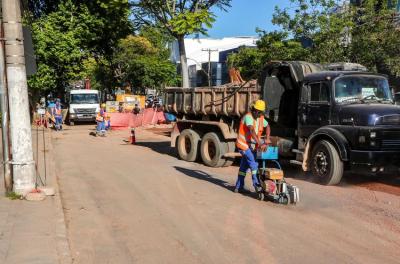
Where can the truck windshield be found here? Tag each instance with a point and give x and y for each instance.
(84, 99)
(361, 89)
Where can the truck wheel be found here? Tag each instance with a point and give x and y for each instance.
(71, 123)
(212, 150)
(187, 145)
(326, 164)
(231, 146)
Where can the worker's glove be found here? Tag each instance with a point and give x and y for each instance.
(263, 147)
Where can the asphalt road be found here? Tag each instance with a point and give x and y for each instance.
(140, 204)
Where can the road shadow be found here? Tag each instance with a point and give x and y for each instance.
(162, 147)
(165, 131)
(389, 183)
(201, 175)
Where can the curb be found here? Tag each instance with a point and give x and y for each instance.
(62, 243)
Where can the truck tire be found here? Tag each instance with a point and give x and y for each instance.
(187, 145)
(326, 164)
(231, 146)
(212, 150)
(71, 123)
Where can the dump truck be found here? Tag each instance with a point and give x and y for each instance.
(328, 122)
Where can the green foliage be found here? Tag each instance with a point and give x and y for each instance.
(271, 46)
(74, 39)
(188, 22)
(376, 39)
(248, 61)
(339, 33)
(61, 41)
(143, 64)
(177, 17)
(13, 196)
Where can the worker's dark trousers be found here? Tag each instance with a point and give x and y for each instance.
(248, 162)
(59, 120)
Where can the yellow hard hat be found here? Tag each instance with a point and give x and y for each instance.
(259, 105)
(103, 105)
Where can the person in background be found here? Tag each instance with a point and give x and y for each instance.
(248, 142)
(57, 115)
(121, 107)
(107, 120)
(136, 110)
(101, 121)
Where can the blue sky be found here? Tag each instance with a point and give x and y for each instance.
(244, 16)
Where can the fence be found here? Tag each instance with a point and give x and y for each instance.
(148, 116)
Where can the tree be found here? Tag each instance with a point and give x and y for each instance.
(142, 64)
(271, 46)
(178, 18)
(329, 31)
(322, 26)
(75, 39)
(376, 37)
(60, 45)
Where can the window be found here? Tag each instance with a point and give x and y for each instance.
(361, 88)
(324, 96)
(319, 92)
(315, 89)
(84, 99)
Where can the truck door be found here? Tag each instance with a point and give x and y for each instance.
(314, 108)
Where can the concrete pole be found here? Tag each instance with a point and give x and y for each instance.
(20, 125)
(4, 117)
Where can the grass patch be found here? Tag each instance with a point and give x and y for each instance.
(13, 196)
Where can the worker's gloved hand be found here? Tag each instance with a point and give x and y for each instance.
(263, 147)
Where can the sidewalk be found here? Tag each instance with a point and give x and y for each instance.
(34, 232)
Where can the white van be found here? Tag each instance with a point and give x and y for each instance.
(83, 105)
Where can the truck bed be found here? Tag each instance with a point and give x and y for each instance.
(229, 100)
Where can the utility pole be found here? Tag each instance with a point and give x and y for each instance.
(4, 115)
(209, 64)
(20, 126)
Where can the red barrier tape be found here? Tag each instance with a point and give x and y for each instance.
(146, 117)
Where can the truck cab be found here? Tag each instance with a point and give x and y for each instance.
(83, 105)
(334, 121)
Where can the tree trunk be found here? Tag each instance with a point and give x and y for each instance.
(183, 60)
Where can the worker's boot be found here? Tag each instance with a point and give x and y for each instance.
(239, 184)
(260, 192)
(238, 190)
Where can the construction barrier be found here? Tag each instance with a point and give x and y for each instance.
(148, 116)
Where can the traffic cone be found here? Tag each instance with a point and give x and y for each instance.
(133, 136)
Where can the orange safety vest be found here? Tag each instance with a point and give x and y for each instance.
(100, 117)
(244, 139)
(57, 111)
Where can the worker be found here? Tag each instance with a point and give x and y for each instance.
(248, 142)
(101, 121)
(136, 110)
(57, 115)
(121, 107)
(107, 118)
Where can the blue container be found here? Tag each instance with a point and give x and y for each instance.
(270, 154)
(170, 117)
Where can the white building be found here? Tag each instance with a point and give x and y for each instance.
(196, 48)
(198, 52)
